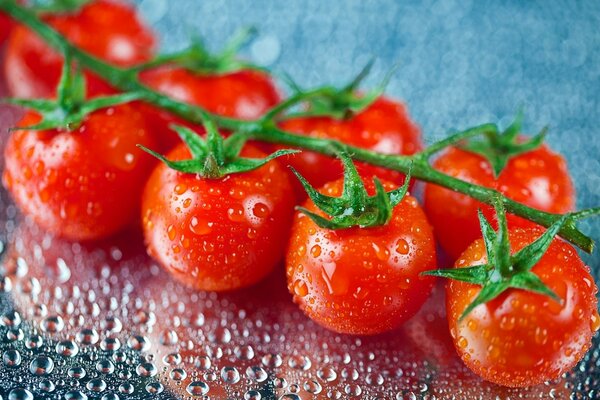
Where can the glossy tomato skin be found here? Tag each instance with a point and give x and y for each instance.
(108, 29)
(539, 179)
(242, 94)
(361, 281)
(384, 126)
(6, 24)
(84, 184)
(521, 338)
(217, 234)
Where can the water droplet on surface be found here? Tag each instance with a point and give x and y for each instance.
(197, 388)
(11, 358)
(41, 366)
(230, 375)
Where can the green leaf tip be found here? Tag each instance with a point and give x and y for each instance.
(499, 147)
(354, 208)
(197, 58)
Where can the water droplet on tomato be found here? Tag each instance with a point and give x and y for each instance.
(300, 288)
(402, 246)
(200, 227)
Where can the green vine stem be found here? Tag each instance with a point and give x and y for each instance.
(265, 129)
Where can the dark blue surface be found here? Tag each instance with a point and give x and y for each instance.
(460, 62)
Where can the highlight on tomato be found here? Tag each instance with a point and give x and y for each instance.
(521, 305)
(108, 29)
(356, 253)
(523, 170)
(220, 219)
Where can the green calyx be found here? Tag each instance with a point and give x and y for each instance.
(71, 107)
(214, 157)
(197, 58)
(354, 207)
(340, 103)
(499, 147)
(504, 271)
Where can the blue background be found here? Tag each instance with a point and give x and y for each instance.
(460, 62)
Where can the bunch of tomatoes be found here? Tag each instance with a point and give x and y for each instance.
(90, 181)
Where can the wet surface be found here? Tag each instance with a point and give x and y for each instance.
(104, 321)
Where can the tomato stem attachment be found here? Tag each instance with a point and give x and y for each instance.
(499, 147)
(354, 207)
(127, 80)
(70, 108)
(197, 58)
(214, 157)
(504, 271)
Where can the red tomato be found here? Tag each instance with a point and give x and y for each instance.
(361, 280)
(243, 94)
(83, 184)
(6, 25)
(522, 338)
(217, 234)
(107, 29)
(538, 178)
(384, 126)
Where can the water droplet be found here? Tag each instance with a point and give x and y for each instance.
(67, 348)
(146, 369)
(41, 366)
(96, 385)
(230, 375)
(11, 358)
(197, 388)
(257, 374)
(20, 394)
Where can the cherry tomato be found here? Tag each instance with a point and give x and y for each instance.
(217, 234)
(384, 126)
(522, 338)
(6, 25)
(243, 94)
(107, 29)
(361, 280)
(83, 184)
(538, 178)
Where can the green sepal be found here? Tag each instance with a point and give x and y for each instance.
(214, 157)
(499, 148)
(502, 270)
(354, 207)
(345, 102)
(197, 58)
(71, 107)
(477, 274)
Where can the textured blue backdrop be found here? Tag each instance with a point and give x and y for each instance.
(460, 62)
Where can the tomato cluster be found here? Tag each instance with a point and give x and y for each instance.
(226, 232)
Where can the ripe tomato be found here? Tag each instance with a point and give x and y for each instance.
(538, 178)
(522, 338)
(384, 126)
(242, 94)
(6, 25)
(107, 29)
(83, 184)
(217, 234)
(361, 280)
